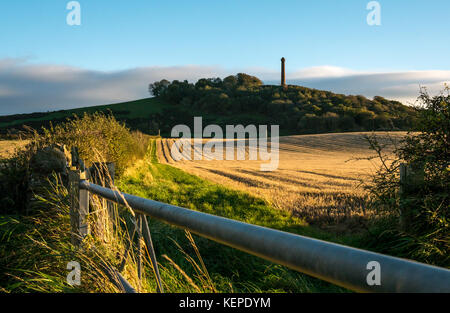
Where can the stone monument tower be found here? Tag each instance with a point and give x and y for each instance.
(283, 73)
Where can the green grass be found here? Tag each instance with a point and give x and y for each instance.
(230, 269)
(35, 249)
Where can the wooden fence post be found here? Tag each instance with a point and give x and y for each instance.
(79, 206)
(103, 174)
(84, 207)
(111, 167)
(411, 177)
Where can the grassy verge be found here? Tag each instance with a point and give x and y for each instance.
(230, 270)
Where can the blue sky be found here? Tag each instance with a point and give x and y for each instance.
(227, 37)
(232, 33)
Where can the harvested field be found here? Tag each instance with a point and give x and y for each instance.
(318, 178)
(8, 147)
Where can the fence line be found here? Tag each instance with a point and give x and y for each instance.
(338, 264)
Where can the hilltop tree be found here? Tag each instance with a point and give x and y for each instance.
(230, 81)
(246, 80)
(157, 88)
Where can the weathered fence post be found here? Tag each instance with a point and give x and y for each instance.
(411, 177)
(79, 202)
(103, 174)
(111, 168)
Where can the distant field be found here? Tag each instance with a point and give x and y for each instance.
(318, 176)
(7, 147)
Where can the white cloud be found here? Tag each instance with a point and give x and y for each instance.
(26, 87)
(325, 71)
(40, 88)
(401, 86)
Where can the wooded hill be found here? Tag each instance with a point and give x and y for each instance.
(245, 99)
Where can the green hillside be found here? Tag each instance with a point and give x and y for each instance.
(124, 111)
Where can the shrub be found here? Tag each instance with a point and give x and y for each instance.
(422, 214)
(98, 135)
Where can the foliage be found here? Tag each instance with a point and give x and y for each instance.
(98, 137)
(420, 206)
(296, 109)
(158, 87)
(13, 184)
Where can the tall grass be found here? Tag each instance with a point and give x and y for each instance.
(35, 248)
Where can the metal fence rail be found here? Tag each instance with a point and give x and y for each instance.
(338, 264)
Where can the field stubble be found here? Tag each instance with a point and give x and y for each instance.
(8, 147)
(319, 178)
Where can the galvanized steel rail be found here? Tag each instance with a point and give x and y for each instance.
(341, 265)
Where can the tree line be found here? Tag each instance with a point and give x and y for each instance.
(296, 109)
